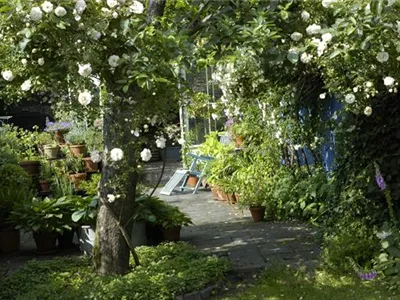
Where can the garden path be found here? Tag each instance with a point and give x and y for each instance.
(223, 229)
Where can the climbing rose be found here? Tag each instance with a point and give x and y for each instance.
(145, 154)
(95, 156)
(313, 29)
(382, 56)
(116, 154)
(160, 142)
(47, 6)
(388, 81)
(113, 61)
(305, 15)
(84, 70)
(60, 11)
(41, 61)
(110, 198)
(36, 14)
(328, 3)
(85, 97)
(112, 3)
(305, 58)
(327, 37)
(350, 98)
(296, 36)
(136, 8)
(7, 75)
(26, 86)
(80, 6)
(368, 111)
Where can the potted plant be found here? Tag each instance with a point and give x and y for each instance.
(29, 155)
(9, 197)
(44, 218)
(84, 216)
(59, 129)
(76, 169)
(46, 175)
(172, 221)
(48, 147)
(76, 140)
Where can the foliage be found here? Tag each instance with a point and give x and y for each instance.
(28, 142)
(45, 138)
(10, 196)
(166, 271)
(61, 186)
(84, 209)
(292, 284)
(39, 215)
(14, 175)
(9, 144)
(75, 164)
(46, 170)
(76, 135)
(91, 186)
(349, 238)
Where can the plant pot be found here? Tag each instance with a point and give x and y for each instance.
(192, 181)
(45, 242)
(138, 235)
(44, 186)
(32, 167)
(154, 234)
(77, 150)
(231, 198)
(9, 240)
(218, 193)
(65, 239)
(237, 196)
(59, 136)
(172, 234)
(257, 213)
(86, 236)
(77, 178)
(51, 151)
(90, 166)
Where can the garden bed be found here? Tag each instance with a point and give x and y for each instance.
(166, 272)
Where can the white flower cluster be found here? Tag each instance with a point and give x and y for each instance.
(84, 70)
(7, 75)
(145, 154)
(328, 3)
(85, 97)
(160, 142)
(116, 154)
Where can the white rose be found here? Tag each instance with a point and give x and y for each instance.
(305, 15)
(85, 97)
(41, 61)
(135, 132)
(322, 96)
(47, 6)
(327, 37)
(368, 111)
(60, 11)
(145, 154)
(36, 14)
(7, 75)
(136, 8)
(214, 116)
(382, 56)
(305, 58)
(116, 154)
(26, 86)
(160, 142)
(350, 98)
(328, 3)
(113, 61)
(80, 6)
(369, 84)
(296, 36)
(112, 3)
(313, 29)
(181, 141)
(95, 156)
(110, 198)
(24, 61)
(85, 70)
(388, 81)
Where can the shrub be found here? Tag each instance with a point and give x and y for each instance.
(14, 175)
(167, 271)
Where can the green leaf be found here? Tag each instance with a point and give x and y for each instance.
(393, 251)
(335, 53)
(76, 216)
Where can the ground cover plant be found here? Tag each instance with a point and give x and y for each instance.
(166, 271)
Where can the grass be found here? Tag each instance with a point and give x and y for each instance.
(289, 284)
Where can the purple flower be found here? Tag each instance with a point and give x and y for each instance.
(57, 126)
(368, 276)
(380, 181)
(229, 123)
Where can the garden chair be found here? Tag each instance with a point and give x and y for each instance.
(181, 176)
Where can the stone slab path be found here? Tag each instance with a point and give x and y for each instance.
(223, 229)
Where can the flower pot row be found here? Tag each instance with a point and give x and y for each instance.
(219, 194)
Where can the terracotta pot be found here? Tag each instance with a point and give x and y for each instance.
(51, 151)
(90, 166)
(32, 167)
(65, 239)
(45, 186)
(77, 178)
(192, 181)
(257, 213)
(238, 141)
(237, 197)
(9, 240)
(231, 198)
(45, 242)
(59, 136)
(77, 150)
(172, 234)
(219, 194)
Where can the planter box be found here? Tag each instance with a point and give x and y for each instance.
(171, 153)
(86, 239)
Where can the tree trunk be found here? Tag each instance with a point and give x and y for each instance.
(111, 251)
